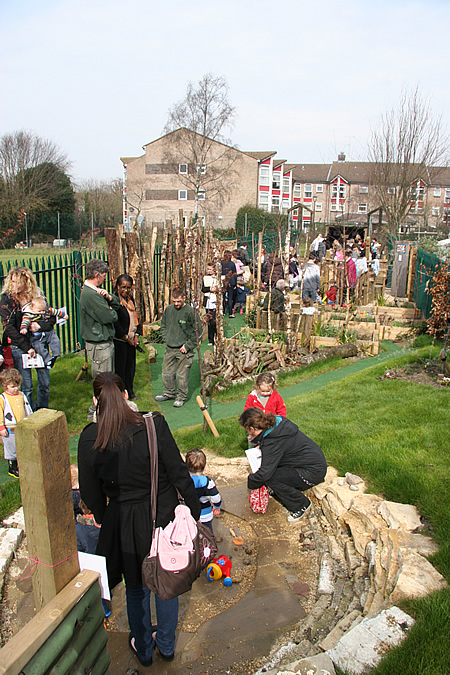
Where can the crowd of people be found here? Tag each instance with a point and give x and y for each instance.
(111, 486)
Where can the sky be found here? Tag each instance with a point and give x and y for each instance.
(308, 79)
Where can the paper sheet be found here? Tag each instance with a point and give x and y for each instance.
(254, 458)
(29, 362)
(96, 563)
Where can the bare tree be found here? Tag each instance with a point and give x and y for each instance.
(410, 145)
(102, 199)
(199, 123)
(26, 181)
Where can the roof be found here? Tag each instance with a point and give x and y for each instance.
(314, 173)
(353, 172)
(278, 162)
(260, 156)
(125, 160)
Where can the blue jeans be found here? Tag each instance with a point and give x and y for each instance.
(140, 621)
(43, 376)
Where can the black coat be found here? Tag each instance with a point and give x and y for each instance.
(286, 446)
(11, 317)
(122, 324)
(122, 475)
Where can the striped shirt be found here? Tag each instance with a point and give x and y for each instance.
(208, 495)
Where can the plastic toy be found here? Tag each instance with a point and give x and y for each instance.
(220, 568)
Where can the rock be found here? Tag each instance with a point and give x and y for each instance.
(333, 510)
(341, 482)
(362, 648)
(360, 535)
(312, 665)
(417, 542)
(326, 585)
(301, 589)
(350, 621)
(320, 491)
(353, 479)
(351, 558)
(416, 577)
(355, 488)
(398, 516)
(342, 493)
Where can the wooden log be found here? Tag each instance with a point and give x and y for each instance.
(151, 352)
(43, 455)
(207, 416)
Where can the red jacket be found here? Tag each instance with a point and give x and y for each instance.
(275, 403)
(351, 273)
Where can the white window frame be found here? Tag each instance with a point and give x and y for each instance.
(183, 171)
(297, 191)
(201, 195)
(286, 185)
(363, 189)
(362, 208)
(276, 180)
(447, 193)
(318, 207)
(437, 192)
(319, 187)
(391, 190)
(334, 207)
(308, 190)
(435, 210)
(202, 169)
(276, 202)
(263, 204)
(264, 178)
(182, 198)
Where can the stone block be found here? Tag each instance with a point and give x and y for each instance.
(362, 648)
(312, 665)
(364, 507)
(10, 538)
(349, 621)
(320, 491)
(343, 493)
(360, 534)
(326, 575)
(416, 577)
(351, 557)
(417, 542)
(398, 516)
(333, 510)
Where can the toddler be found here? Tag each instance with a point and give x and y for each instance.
(265, 397)
(209, 290)
(15, 407)
(241, 296)
(205, 487)
(330, 295)
(38, 310)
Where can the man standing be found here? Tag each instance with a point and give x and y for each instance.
(311, 279)
(98, 314)
(243, 253)
(319, 246)
(180, 329)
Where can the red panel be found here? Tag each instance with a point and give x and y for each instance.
(264, 188)
(276, 192)
(286, 196)
(266, 161)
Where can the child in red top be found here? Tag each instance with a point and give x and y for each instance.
(265, 396)
(331, 293)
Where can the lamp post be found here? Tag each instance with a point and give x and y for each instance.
(314, 214)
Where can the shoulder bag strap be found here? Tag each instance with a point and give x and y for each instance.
(153, 450)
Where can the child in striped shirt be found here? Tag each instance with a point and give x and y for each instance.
(205, 487)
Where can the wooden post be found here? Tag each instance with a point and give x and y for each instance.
(43, 456)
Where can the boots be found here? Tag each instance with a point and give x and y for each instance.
(13, 469)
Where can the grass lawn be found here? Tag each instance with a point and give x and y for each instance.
(391, 432)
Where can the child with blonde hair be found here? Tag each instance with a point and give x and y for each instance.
(14, 407)
(205, 487)
(265, 396)
(38, 310)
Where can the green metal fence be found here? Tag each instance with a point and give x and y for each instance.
(61, 277)
(426, 265)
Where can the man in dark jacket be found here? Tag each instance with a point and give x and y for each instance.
(290, 461)
(243, 253)
(98, 314)
(181, 329)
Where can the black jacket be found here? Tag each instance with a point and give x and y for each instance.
(286, 446)
(122, 324)
(11, 317)
(122, 475)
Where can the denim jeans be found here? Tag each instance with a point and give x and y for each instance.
(140, 621)
(43, 376)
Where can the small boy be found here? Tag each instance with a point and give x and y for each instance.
(14, 408)
(330, 295)
(205, 487)
(37, 311)
(241, 296)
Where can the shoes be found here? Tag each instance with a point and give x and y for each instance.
(163, 397)
(241, 311)
(295, 516)
(13, 469)
(231, 316)
(210, 344)
(52, 362)
(178, 403)
(144, 662)
(170, 657)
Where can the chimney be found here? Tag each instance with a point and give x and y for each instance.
(341, 157)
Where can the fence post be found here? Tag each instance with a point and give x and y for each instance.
(43, 456)
(78, 279)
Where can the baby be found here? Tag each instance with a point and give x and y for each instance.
(38, 310)
(15, 407)
(207, 492)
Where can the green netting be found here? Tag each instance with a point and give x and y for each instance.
(426, 265)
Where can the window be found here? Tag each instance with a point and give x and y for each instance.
(264, 201)
(286, 183)
(264, 172)
(297, 190)
(308, 190)
(437, 192)
(182, 194)
(362, 208)
(182, 168)
(319, 187)
(391, 191)
(334, 191)
(435, 211)
(201, 195)
(285, 205)
(276, 203)
(201, 169)
(447, 193)
(276, 180)
(333, 207)
(363, 189)
(318, 206)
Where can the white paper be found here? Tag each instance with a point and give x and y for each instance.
(254, 458)
(32, 362)
(61, 322)
(96, 563)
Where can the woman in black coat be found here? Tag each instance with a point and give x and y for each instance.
(114, 477)
(128, 330)
(290, 461)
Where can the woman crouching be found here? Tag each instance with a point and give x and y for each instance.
(290, 461)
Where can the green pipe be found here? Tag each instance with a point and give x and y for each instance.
(81, 637)
(94, 654)
(55, 644)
